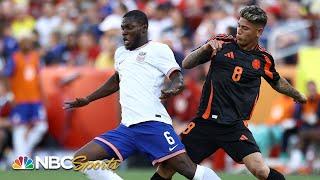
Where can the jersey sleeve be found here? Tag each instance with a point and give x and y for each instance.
(165, 60)
(270, 73)
(116, 58)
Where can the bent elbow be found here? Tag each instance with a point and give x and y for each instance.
(185, 65)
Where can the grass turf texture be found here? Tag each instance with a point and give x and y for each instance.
(131, 174)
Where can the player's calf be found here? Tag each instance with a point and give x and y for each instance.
(256, 165)
(184, 166)
(260, 172)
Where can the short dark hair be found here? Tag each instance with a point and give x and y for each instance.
(255, 15)
(139, 16)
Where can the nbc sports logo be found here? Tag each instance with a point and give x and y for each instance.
(23, 163)
(46, 162)
(65, 162)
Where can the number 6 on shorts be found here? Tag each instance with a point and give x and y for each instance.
(168, 137)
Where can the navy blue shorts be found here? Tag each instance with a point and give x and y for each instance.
(156, 139)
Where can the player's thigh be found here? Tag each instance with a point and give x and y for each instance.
(38, 112)
(238, 149)
(117, 144)
(92, 151)
(198, 141)
(19, 114)
(158, 140)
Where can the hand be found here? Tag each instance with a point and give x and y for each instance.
(165, 93)
(79, 102)
(301, 99)
(215, 45)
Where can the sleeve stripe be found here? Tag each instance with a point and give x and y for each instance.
(267, 67)
(172, 70)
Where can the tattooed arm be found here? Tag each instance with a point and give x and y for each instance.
(202, 54)
(283, 87)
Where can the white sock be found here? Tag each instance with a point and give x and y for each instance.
(204, 173)
(296, 158)
(36, 133)
(18, 141)
(100, 174)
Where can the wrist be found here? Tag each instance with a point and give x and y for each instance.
(88, 99)
(205, 47)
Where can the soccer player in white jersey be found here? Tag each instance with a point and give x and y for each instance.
(141, 67)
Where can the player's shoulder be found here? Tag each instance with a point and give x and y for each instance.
(159, 47)
(120, 50)
(263, 51)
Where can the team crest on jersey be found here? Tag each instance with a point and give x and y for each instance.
(256, 64)
(141, 56)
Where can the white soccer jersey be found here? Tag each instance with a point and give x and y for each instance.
(142, 72)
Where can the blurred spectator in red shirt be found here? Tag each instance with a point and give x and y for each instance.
(88, 50)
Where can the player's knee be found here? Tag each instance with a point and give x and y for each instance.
(260, 172)
(42, 126)
(255, 164)
(184, 166)
(79, 157)
(165, 171)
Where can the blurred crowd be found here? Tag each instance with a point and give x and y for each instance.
(87, 33)
(82, 32)
(291, 133)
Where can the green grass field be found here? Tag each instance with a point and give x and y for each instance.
(132, 174)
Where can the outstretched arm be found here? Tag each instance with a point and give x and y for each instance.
(109, 87)
(202, 54)
(175, 86)
(284, 87)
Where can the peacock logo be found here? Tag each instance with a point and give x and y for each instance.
(24, 163)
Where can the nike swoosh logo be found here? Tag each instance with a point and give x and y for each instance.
(172, 148)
